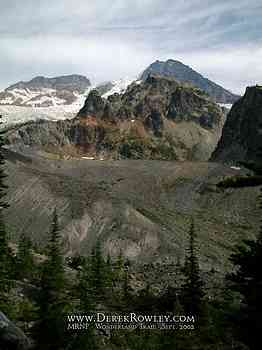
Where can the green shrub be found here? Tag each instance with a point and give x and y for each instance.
(240, 181)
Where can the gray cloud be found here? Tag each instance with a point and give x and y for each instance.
(109, 39)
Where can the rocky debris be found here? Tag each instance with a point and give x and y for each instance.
(140, 208)
(241, 139)
(12, 337)
(185, 74)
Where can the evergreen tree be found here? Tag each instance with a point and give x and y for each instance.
(85, 293)
(25, 260)
(85, 288)
(98, 267)
(5, 253)
(127, 296)
(146, 302)
(95, 280)
(91, 291)
(108, 283)
(247, 280)
(192, 290)
(50, 330)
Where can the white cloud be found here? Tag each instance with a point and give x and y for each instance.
(108, 39)
(99, 58)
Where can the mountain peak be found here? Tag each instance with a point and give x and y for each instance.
(46, 92)
(73, 81)
(185, 74)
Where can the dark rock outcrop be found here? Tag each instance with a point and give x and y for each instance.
(241, 139)
(12, 337)
(94, 105)
(185, 74)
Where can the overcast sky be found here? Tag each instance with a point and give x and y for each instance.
(110, 39)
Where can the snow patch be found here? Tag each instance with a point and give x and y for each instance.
(120, 86)
(235, 168)
(225, 105)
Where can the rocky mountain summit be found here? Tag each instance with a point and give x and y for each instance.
(45, 92)
(73, 82)
(155, 119)
(241, 139)
(185, 74)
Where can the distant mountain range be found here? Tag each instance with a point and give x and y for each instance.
(156, 119)
(46, 92)
(185, 74)
(71, 90)
(51, 98)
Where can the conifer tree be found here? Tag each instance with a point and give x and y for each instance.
(127, 297)
(50, 327)
(108, 282)
(25, 260)
(98, 272)
(118, 270)
(192, 291)
(85, 289)
(91, 293)
(95, 280)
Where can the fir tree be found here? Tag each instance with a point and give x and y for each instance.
(95, 280)
(91, 294)
(127, 297)
(98, 273)
(192, 292)
(25, 260)
(50, 328)
(85, 288)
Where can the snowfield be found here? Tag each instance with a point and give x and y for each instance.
(12, 114)
(18, 115)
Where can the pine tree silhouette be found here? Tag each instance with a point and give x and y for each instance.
(193, 288)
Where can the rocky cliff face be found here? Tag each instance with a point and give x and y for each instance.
(185, 74)
(242, 133)
(156, 119)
